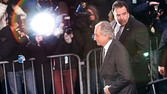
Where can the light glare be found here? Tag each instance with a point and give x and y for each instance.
(43, 23)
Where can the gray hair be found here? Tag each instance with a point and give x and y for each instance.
(106, 28)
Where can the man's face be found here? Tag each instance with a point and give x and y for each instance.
(121, 15)
(100, 39)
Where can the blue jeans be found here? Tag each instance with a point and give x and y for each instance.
(17, 82)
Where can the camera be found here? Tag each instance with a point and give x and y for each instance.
(66, 20)
(67, 30)
(154, 10)
(67, 24)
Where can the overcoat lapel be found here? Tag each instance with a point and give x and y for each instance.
(126, 31)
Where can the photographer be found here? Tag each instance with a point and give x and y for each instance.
(37, 48)
(153, 13)
(6, 9)
(85, 23)
(64, 43)
(13, 40)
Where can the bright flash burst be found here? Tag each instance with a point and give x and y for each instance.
(43, 23)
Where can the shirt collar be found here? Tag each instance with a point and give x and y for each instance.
(107, 46)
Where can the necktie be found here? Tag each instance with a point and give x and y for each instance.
(103, 54)
(118, 33)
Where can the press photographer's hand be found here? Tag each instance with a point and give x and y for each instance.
(161, 70)
(68, 37)
(153, 3)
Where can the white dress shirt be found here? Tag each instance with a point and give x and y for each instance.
(107, 46)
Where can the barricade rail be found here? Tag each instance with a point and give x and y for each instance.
(93, 63)
(88, 84)
(61, 59)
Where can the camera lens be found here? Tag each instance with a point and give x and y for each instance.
(68, 30)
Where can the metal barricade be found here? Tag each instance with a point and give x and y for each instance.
(153, 64)
(22, 72)
(93, 63)
(63, 60)
(62, 64)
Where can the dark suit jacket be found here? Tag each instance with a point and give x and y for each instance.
(163, 57)
(116, 70)
(162, 50)
(135, 38)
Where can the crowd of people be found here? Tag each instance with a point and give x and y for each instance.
(125, 30)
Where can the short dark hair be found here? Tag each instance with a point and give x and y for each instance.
(120, 4)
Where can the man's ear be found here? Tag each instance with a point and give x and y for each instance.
(106, 36)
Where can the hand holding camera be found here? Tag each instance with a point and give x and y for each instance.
(68, 37)
(155, 11)
(153, 3)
